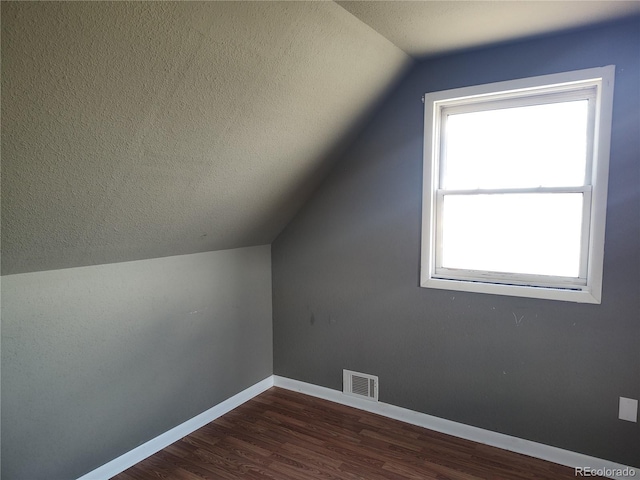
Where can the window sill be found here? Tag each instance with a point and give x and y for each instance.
(564, 294)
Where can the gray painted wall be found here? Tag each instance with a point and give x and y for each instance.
(345, 276)
(98, 360)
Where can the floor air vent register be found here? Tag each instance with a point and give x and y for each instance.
(360, 385)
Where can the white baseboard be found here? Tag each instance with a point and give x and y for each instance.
(487, 437)
(154, 445)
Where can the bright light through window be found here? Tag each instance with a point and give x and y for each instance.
(518, 233)
(515, 186)
(532, 146)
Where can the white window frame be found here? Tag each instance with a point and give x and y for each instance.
(587, 288)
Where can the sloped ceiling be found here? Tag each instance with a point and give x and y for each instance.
(135, 130)
(427, 28)
(145, 129)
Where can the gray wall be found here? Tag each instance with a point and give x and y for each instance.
(98, 360)
(345, 276)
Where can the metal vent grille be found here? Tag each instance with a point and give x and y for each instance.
(360, 385)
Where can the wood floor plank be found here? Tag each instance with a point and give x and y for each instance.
(284, 435)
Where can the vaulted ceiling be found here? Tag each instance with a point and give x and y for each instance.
(135, 130)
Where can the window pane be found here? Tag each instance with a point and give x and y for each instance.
(537, 233)
(539, 145)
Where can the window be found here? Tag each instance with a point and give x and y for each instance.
(515, 186)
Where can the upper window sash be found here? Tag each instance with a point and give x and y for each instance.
(485, 103)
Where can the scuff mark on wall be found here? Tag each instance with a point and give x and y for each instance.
(518, 320)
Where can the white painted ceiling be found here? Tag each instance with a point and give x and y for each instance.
(135, 130)
(428, 28)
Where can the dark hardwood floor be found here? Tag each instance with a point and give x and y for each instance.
(285, 435)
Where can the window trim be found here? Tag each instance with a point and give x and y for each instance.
(522, 92)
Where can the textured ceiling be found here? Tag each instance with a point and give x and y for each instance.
(145, 129)
(427, 28)
(136, 130)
